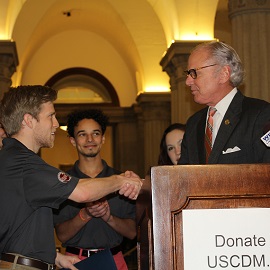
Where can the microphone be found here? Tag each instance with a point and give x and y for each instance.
(266, 137)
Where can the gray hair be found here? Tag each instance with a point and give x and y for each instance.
(225, 55)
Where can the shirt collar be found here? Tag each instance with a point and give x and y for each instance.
(223, 105)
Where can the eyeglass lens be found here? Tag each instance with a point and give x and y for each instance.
(191, 72)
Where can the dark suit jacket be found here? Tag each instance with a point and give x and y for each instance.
(242, 126)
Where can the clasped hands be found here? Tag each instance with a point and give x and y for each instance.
(98, 209)
(130, 188)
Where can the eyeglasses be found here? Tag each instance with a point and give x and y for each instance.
(192, 72)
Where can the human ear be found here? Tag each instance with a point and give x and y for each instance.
(28, 120)
(225, 74)
(72, 140)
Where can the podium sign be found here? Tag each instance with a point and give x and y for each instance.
(237, 239)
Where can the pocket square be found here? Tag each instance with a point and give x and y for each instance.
(231, 150)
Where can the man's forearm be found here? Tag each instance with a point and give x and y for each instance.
(125, 227)
(92, 189)
(69, 228)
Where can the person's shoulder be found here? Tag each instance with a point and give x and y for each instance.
(115, 171)
(71, 171)
(197, 115)
(18, 149)
(108, 170)
(255, 103)
(75, 171)
(14, 143)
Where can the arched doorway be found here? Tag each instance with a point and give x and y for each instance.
(79, 89)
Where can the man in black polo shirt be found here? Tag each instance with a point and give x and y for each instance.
(102, 224)
(30, 188)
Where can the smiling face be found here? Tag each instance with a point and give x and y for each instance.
(45, 127)
(212, 82)
(173, 143)
(88, 138)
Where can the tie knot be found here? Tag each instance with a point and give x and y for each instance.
(212, 111)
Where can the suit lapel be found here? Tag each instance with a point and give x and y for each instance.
(229, 122)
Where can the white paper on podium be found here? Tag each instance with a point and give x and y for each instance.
(237, 239)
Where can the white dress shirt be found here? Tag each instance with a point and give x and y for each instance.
(221, 108)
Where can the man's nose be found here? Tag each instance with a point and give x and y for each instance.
(56, 123)
(90, 138)
(189, 80)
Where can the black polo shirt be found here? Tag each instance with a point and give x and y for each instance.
(30, 188)
(96, 233)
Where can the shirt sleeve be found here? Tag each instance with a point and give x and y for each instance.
(45, 185)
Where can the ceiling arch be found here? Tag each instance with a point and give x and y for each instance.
(135, 32)
(124, 26)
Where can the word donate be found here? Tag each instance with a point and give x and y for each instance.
(235, 261)
(226, 239)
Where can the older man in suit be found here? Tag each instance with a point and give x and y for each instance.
(233, 134)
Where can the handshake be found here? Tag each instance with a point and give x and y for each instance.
(131, 186)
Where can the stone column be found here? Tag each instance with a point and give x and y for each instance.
(154, 116)
(251, 39)
(127, 152)
(174, 63)
(8, 64)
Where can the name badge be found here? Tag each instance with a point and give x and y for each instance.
(266, 139)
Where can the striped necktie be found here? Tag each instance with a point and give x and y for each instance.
(209, 132)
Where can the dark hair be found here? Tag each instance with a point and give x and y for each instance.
(97, 115)
(18, 101)
(163, 158)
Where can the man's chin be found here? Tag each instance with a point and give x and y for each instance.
(91, 155)
(48, 145)
(198, 100)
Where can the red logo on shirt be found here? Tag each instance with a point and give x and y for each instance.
(63, 177)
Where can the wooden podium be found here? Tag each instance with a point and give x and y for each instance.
(170, 189)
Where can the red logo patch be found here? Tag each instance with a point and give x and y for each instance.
(63, 177)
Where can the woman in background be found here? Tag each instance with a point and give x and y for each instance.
(2, 135)
(170, 145)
